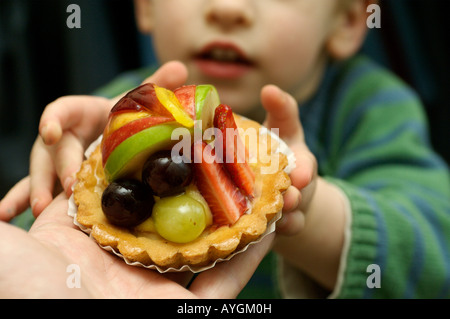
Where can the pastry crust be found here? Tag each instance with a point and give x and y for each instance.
(214, 243)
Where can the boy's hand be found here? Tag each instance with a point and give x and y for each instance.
(68, 125)
(314, 212)
(282, 113)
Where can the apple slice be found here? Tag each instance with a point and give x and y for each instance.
(118, 120)
(186, 95)
(139, 99)
(128, 158)
(199, 101)
(206, 101)
(116, 137)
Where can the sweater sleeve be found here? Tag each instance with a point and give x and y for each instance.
(398, 189)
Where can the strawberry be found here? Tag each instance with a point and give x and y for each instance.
(234, 153)
(225, 200)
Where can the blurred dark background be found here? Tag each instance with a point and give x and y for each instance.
(42, 59)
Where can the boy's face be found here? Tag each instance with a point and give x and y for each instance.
(241, 45)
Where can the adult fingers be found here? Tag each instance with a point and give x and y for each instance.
(16, 201)
(55, 214)
(227, 279)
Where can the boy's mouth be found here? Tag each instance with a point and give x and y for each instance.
(223, 60)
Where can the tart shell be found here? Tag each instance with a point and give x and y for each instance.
(214, 244)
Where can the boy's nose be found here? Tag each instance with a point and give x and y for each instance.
(229, 14)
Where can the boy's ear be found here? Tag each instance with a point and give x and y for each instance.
(144, 15)
(350, 30)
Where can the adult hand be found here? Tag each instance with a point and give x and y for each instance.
(35, 264)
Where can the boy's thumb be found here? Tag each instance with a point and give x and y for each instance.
(282, 112)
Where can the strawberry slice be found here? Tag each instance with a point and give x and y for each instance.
(234, 152)
(225, 200)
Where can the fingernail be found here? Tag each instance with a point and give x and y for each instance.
(44, 133)
(34, 202)
(50, 132)
(68, 183)
(282, 95)
(281, 222)
(10, 212)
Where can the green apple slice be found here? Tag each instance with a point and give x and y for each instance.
(128, 158)
(206, 101)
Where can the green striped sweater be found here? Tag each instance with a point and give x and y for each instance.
(369, 133)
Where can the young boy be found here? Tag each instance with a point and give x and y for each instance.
(368, 214)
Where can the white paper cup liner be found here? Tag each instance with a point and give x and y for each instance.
(282, 148)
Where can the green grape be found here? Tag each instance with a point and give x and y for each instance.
(179, 219)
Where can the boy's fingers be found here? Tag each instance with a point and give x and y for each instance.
(67, 112)
(51, 131)
(282, 112)
(63, 127)
(291, 198)
(291, 223)
(293, 219)
(170, 75)
(68, 156)
(305, 169)
(42, 177)
(16, 201)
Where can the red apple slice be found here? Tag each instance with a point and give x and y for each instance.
(141, 97)
(186, 95)
(123, 118)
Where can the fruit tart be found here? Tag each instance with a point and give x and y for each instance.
(178, 181)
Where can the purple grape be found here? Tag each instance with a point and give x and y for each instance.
(166, 176)
(127, 202)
